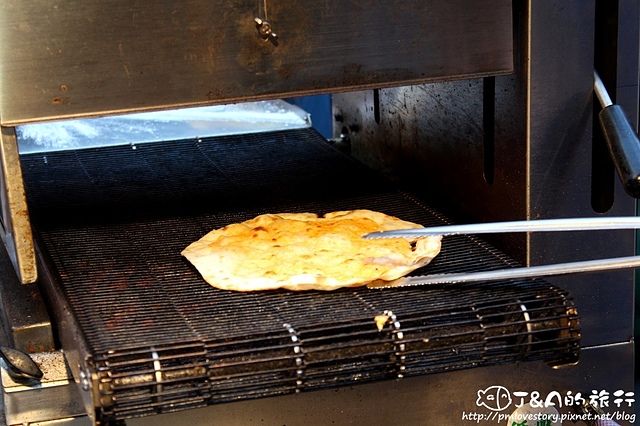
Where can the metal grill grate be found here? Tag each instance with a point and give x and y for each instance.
(112, 222)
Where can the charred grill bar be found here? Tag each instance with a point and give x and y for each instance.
(476, 113)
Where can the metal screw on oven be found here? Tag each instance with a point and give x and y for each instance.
(84, 379)
(265, 30)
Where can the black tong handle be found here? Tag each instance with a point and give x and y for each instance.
(19, 365)
(622, 140)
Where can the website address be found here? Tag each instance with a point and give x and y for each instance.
(546, 418)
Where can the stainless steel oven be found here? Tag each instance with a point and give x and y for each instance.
(443, 112)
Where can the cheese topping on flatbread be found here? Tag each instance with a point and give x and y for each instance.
(301, 251)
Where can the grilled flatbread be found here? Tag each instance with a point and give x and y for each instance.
(301, 251)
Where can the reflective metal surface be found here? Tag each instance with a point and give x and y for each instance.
(186, 123)
(16, 225)
(583, 267)
(538, 225)
(538, 125)
(55, 398)
(19, 365)
(86, 58)
(24, 313)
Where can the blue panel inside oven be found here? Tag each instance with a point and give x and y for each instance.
(319, 107)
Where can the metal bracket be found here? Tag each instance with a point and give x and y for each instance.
(16, 227)
(54, 400)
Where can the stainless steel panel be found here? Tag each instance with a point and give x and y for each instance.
(560, 143)
(82, 58)
(16, 226)
(26, 318)
(53, 399)
(539, 124)
(186, 123)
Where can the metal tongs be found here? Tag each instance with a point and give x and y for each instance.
(541, 225)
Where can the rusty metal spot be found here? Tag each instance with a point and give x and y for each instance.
(59, 100)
